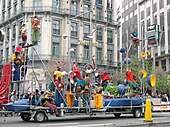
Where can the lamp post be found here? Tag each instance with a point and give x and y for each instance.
(69, 36)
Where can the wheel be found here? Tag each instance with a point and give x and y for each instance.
(39, 117)
(25, 116)
(137, 113)
(117, 115)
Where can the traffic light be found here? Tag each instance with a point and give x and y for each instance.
(153, 34)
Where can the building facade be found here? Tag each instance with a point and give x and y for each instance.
(138, 15)
(65, 25)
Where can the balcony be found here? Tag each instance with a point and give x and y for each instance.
(99, 17)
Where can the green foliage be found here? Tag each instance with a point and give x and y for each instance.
(162, 85)
(113, 90)
(136, 64)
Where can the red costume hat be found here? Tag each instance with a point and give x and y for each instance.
(18, 49)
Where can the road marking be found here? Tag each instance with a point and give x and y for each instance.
(154, 118)
(161, 113)
(91, 125)
(58, 124)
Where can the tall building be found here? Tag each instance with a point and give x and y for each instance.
(67, 27)
(138, 15)
(127, 16)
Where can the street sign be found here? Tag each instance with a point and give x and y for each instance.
(87, 43)
(153, 35)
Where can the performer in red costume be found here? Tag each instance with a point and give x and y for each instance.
(78, 79)
(130, 79)
(105, 78)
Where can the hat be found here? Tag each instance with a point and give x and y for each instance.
(18, 49)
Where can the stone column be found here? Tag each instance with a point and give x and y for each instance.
(10, 40)
(105, 33)
(166, 26)
(158, 22)
(17, 33)
(167, 64)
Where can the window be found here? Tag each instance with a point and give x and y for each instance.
(37, 4)
(9, 12)
(109, 3)
(7, 34)
(7, 54)
(1, 58)
(73, 10)
(110, 36)
(56, 27)
(15, 1)
(131, 15)
(13, 49)
(73, 29)
(109, 56)
(99, 34)
(56, 5)
(98, 2)
(109, 16)
(74, 53)
(126, 17)
(86, 9)
(135, 13)
(131, 4)
(15, 9)
(3, 16)
(99, 13)
(148, 22)
(55, 49)
(14, 31)
(86, 52)
(126, 7)
(4, 2)
(86, 30)
(22, 5)
(9, 3)
(99, 54)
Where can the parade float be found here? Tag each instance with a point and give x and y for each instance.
(80, 95)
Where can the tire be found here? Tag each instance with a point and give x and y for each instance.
(137, 113)
(39, 117)
(117, 115)
(25, 116)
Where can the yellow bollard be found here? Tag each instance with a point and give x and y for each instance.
(148, 112)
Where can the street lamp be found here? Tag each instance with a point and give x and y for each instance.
(69, 36)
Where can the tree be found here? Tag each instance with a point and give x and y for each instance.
(136, 64)
(162, 85)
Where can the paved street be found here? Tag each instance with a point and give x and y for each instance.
(159, 120)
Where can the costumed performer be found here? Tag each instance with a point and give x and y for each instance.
(79, 82)
(105, 78)
(16, 61)
(23, 31)
(47, 101)
(130, 79)
(59, 91)
(35, 27)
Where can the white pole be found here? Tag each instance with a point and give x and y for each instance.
(127, 51)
